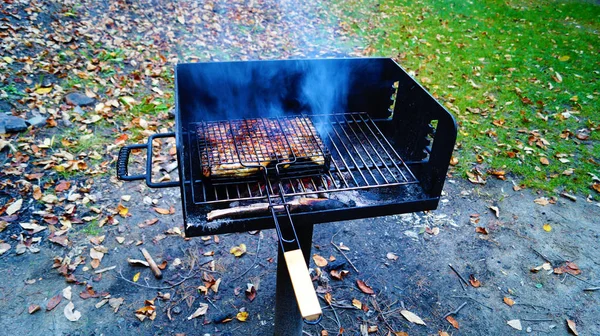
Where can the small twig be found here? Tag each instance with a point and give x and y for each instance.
(212, 304)
(104, 269)
(154, 287)
(336, 305)
(455, 311)
(392, 311)
(535, 307)
(459, 275)
(260, 236)
(541, 255)
(580, 279)
(342, 252)
(152, 263)
(376, 306)
(537, 320)
(337, 319)
(474, 300)
(591, 289)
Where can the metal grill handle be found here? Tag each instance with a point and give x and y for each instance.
(123, 162)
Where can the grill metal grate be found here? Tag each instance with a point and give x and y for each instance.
(361, 157)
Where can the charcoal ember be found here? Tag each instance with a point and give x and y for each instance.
(334, 265)
(325, 205)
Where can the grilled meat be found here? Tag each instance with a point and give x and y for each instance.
(240, 148)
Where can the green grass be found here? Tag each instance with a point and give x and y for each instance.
(494, 65)
(12, 92)
(92, 228)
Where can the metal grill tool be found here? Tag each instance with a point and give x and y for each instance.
(267, 148)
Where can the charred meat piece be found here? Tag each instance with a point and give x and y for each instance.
(240, 148)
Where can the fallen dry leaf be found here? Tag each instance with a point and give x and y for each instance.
(62, 186)
(544, 161)
(200, 311)
(71, 314)
(412, 317)
(115, 303)
(391, 256)
(60, 240)
(481, 229)
(53, 302)
(541, 201)
(251, 292)
(443, 333)
(136, 277)
(14, 207)
(572, 327)
(364, 287)
(238, 251)
(67, 293)
(474, 281)
(97, 240)
(319, 261)
(546, 266)
(328, 298)
(569, 267)
(242, 316)
(339, 275)
(122, 210)
(162, 211)
(452, 321)
(496, 210)
(4, 247)
(515, 324)
(33, 308)
(148, 222)
(356, 303)
(138, 262)
(509, 301)
(43, 90)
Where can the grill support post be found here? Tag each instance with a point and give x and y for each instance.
(288, 320)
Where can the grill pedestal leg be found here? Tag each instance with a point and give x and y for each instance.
(287, 316)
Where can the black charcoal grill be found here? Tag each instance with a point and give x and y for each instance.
(313, 141)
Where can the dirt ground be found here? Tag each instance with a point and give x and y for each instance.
(420, 279)
(102, 218)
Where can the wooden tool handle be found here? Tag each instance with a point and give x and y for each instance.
(153, 267)
(303, 287)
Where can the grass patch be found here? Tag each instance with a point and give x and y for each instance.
(12, 92)
(521, 77)
(92, 229)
